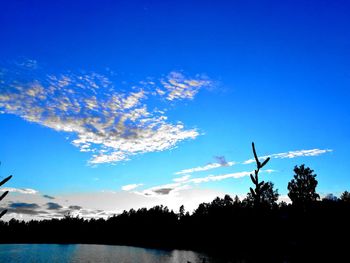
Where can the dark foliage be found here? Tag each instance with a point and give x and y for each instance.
(256, 229)
(302, 189)
(225, 226)
(345, 197)
(268, 197)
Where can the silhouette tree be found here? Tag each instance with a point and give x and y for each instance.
(260, 187)
(282, 204)
(302, 189)
(268, 197)
(236, 201)
(330, 198)
(345, 197)
(181, 211)
(228, 201)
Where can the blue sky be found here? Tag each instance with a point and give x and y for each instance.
(111, 105)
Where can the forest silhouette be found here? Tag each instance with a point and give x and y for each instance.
(254, 228)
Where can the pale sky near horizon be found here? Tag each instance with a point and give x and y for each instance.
(112, 105)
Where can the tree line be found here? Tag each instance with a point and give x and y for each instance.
(255, 227)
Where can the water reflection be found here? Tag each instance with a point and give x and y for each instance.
(96, 253)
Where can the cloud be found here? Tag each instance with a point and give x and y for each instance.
(27, 63)
(109, 123)
(104, 204)
(166, 189)
(182, 178)
(291, 154)
(210, 178)
(176, 86)
(48, 197)
(75, 207)
(159, 190)
(186, 182)
(163, 191)
(19, 190)
(130, 187)
(53, 206)
(95, 213)
(222, 160)
(24, 205)
(24, 208)
(28, 211)
(206, 167)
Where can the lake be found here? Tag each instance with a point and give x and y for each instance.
(96, 253)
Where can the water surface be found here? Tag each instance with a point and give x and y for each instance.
(40, 253)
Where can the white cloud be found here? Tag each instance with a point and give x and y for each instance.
(284, 155)
(163, 137)
(130, 187)
(28, 63)
(186, 182)
(177, 86)
(291, 154)
(111, 124)
(210, 178)
(205, 168)
(19, 190)
(161, 190)
(182, 178)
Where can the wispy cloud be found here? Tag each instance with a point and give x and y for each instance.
(53, 206)
(19, 190)
(109, 123)
(206, 167)
(48, 196)
(211, 178)
(186, 182)
(222, 161)
(130, 187)
(75, 207)
(291, 154)
(166, 189)
(176, 86)
(182, 178)
(27, 63)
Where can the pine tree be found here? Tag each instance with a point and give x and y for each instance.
(302, 189)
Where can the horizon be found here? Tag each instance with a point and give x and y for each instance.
(110, 106)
